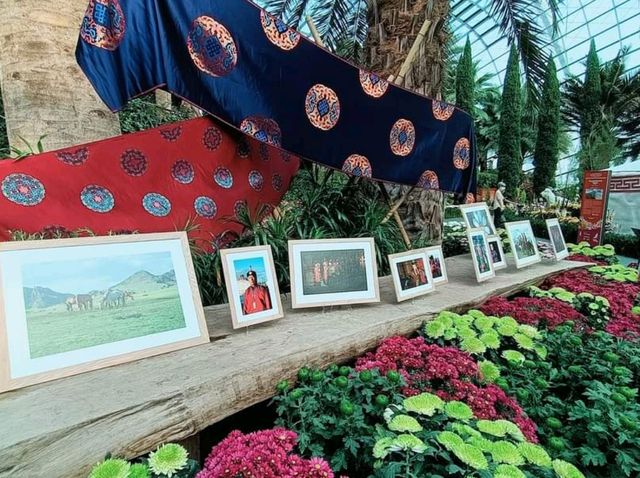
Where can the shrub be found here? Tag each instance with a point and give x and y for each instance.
(539, 312)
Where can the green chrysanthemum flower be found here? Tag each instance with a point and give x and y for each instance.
(424, 404)
(446, 319)
(382, 447)
(566, 470)
(535, 454)
(603, 300)
(507, 330)
(409, 442)
(168, 459)
(473, 345)
(566, 296)
(111, 468)
(450, 334)
(489, 371)
(523, 341)
(541, 350)
(508, 321)
(458, 410)
(490, 339)
(483, 323)
(466, 319)
(481, 443)
(470, 455)
(139, 470)
(466, 332)
(475, 313)
(529, 331)
(434, 329)
(508, 471)
(449, 440)
(404, 423)
(505, 452)
(466, 430)
(513, 356)
(500, 428)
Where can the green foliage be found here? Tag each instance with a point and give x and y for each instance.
(591, 113)
(606, 253)
(616, 272)
(465, 81)
(167, 461)
(596, 309)
(509, 153)
(4, 139)
(547, 143)
(143, 113)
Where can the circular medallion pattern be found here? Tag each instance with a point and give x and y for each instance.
(428, 180)
(242, 148)
(74, 158)
(402, 137)
(103, 24)
(239, 206)
(223, 177)
(372, 84)
(205, 207)
(357, 165)
(171, 134)
(461, 154)
(133, 162)
(183, 172)
(256, 181)
(263, 151)
(322, 107)
(156, 204)
(276, 182)
(97, 198)
(23, 189)
(278, 32)
(263, 129)
(211, 138)
(442, 111)
(211, 47)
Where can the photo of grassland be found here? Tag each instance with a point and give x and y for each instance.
(71, 306)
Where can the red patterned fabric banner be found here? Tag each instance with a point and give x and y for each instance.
(192, 172)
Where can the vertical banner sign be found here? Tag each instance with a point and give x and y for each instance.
(593, 210)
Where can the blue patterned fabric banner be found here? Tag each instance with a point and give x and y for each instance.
(247, 68)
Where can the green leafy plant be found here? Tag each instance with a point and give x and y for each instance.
(605, 253)
(167, 461)
(616, 272)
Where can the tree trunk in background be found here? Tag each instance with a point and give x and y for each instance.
(43, 89)
(394, 25)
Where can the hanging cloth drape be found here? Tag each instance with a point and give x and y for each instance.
(250, 70)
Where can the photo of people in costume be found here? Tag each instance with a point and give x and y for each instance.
(333, 271)
(253, 285)
(436, 266)
(495, 252)
(412, 274)
(482, 258)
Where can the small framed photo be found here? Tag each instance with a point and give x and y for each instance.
(481, 255)
(523, 243)
(252, 285)
(437, 265)
(333, 272)
(477, 215)
(411, 274)
(557, 239)
(497, 252)
(72, 305)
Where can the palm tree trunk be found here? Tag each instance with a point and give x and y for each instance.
(393, 27)
(43, 90)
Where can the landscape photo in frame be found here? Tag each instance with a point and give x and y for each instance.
(411, 274)
(477, 215)
(252, 285)
(523, 243)
(481, 255)
(438, 267)
(557, 239)
(329, 272)
(72, 305)
(497, 252)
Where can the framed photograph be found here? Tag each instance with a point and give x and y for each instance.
(252, 285)
(497, 252)
(333, 272)
(477, 215)
(557, 239)
(523, 243)
(411, 274)
(72, 305)
(481, 255)
(437, 265)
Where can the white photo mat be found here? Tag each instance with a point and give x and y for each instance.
(415, 255)
(478, 233)
(522, 227)
(560, 249)
(436, 253)
(483, 209)
(497, 240)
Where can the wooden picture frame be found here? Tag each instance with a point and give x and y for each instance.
(480, 254)
(411, 274)
(556, 237)
(478, 215)
(327, 272)
(240, 265)
(435, 256)
(497, 252)
(67, 305)
(521, 232)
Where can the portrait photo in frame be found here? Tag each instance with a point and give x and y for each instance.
(69, 306)
(481, 255)
(437, 264)
(328, 272)
(252, 285)
(477, 215)
(411, 274)
(523, 243)
(557, 239)
(497, 252)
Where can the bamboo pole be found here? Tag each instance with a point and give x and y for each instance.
(413, 51)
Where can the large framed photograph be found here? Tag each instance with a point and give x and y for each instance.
(252, 285)
(73, 305)
(477, 215)
(437, 265)
(411, 274)
(481, 255)
(557, 239)
(497, 252)
(523, 243)
(333, 272)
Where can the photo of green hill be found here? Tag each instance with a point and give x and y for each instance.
(99, 301)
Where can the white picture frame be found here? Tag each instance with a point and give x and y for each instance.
(497, 252)
(327, 272)
(435, 256)
(411, 274)
(67, 305)
(560, 249)
(480, 254)
(477, 215)
(520, 232)
(242, 265)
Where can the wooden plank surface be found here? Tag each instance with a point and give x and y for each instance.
(61, 428)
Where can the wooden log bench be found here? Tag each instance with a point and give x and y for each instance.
(61, 428)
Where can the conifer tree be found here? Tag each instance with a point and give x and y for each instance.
(590, 115)
(464, 81)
